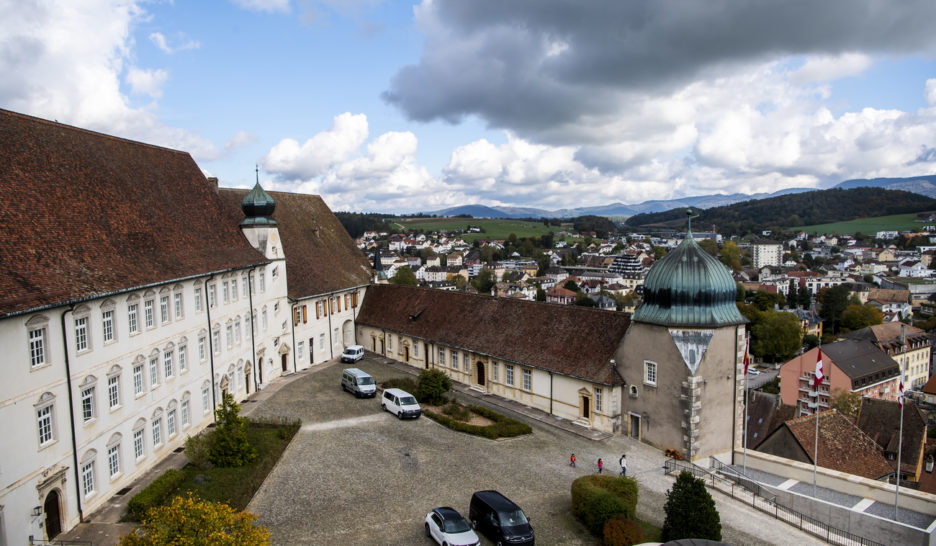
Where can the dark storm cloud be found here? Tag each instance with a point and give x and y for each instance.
(492, 58)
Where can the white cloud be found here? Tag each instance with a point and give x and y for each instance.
(64, 60)
(159, 40)
(147, 82)
(931, 91)
(268, 6)
(313, 158)
(241, 138)
(824, 68)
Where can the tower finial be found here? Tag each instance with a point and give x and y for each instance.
(257, 170)
(690, 217)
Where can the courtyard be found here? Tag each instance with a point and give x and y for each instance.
(357, 475)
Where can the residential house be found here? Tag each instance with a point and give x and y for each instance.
(880, 419)
(908, 345)
(560, 295)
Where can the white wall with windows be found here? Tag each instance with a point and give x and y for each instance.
(315, 321)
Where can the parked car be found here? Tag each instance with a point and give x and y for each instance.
(400, 403)
(499, 519)
(352, 353)
(358, 382)
(447, 527)
(753, 371)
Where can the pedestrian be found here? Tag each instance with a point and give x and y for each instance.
(623, 462)
(572, 460)
(600, 466)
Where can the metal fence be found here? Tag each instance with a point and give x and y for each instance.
(745, 490)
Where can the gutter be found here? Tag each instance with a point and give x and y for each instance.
(71, 414)
(214, 402)
(292, 331)
(253, 345)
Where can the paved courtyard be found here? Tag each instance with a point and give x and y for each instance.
(356, 475)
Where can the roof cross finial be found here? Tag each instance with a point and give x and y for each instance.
(257, 170)
(690, 216)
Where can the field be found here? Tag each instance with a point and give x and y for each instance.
(868, 226)
(493, 228)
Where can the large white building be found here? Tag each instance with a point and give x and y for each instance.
(134, 293)
(765, 253)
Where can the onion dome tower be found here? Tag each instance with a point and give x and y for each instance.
(258, 225)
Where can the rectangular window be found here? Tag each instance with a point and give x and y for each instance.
(494, 371)
(244, 286)
(263, 319)
(416, 349)
(177, 301)
(170, 422)
(216, 341)
(508, 371)
(598, 401)
(87, 478)
(233, 289)
(81, 333)
(225, 292)
(321, 342)
(650, 372)
(113, 460)
(154, 372)
(157, 432)
(229, 336)
(132, 317)
(211, 295)
(167, 364)
(527, 380)
(318, 309)
(148, 313)
(299, 349)
(87, 404)
(454, 360)
(138, 443)
(237, 332)
(164, 309)
(113, 391)
(262, 281)
(107, 325)
(253, 283)
(198, 298)
(37, 347)
(138, 379)
(204, 400)
(389, 342)
(202, 353)
(44, 419)
(441, 356)
(275, 272)
(185, 412)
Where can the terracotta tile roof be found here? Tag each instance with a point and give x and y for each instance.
(85, 214)
(320, 255)
(568, 340)
(880, 419)
(930, 386)
(842, 445)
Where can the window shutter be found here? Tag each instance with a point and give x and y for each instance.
(318, 309)
(295, 316)
(305, 317)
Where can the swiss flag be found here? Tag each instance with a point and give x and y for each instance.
(747, 357)
(818, 379)
(900, 392)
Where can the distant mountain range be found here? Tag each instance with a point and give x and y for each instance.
(923, 185)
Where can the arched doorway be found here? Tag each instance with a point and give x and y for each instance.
(406, 354)
(283, 361)
(247, 377)
(53, 518)
(480, 367)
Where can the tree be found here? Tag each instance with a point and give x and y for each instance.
(709, 246)
(764, 300)
(690, 511)
(810, 342)
(229, 444)
(571, 285)
(540, 294)
(834, 301)
(405, 276)
(658, 252)
(804, 297)
(856, 317)
(777, 335)
(432, 386)
(846, 402)
(731, 255)
(485, 281)
(584, 301)
(191, 520)
(791, 298)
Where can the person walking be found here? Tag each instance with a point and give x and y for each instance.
(572, 460)
(600, 466)
(623, 462)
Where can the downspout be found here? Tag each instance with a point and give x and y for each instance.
(331, 342)
(253, 346)
(550, 392)
(71, 414)
(214, 401)
(293, 332)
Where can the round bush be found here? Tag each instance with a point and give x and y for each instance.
(623, 531)
(598, 498)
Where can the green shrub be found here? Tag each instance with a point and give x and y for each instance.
(432, 386)
(229, 444)
(457, 411)
(503, 427)
(155, 493)
(198, 448)
(690, 511)
(598, 498)
(405, 383)
(623, 531)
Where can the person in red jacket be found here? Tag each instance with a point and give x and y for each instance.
(572, 460)
(600, 466)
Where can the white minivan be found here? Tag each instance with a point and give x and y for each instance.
(400, 403)
(358, 382)
(352, 353)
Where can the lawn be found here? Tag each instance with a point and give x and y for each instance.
(868, 226)
(493, 228)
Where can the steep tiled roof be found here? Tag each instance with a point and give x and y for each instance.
(842, 445)
(930, 386)
(320, 255)
(85, 214)
(569, 340)
(880, 419)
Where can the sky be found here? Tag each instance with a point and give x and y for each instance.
(402, 107)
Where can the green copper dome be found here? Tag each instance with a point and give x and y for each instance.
(258, 208)
(689, 287)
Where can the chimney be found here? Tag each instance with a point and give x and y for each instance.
(213, 180)
(903, 335)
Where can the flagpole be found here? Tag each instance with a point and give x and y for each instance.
(899, 446)
(817, 380)
(747, 362)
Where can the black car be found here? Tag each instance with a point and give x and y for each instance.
(499, 519)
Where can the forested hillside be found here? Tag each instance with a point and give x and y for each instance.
(815, 207)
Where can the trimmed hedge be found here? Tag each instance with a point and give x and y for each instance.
(623, 531)
(155, 493)
(598, 498)
(503, 427)
(408, 384)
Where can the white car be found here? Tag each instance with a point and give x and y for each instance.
(753, 371)
(447, 527)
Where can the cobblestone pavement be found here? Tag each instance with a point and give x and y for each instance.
(356, 475)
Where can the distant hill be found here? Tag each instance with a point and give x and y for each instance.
(815, 207)
(923, 185)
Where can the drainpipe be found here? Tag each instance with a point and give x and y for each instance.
(331, 342)
(292, 322)
(550, 392)
(253, 345)
(214, 401)
(71, 414)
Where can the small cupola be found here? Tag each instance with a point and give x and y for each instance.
(258, 207)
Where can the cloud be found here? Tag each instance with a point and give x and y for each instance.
(65, 61)
(930, 91)
(146, 82)
(183, 43)
(826, 68)
(289, 159)
(268, 6)
(241, 138)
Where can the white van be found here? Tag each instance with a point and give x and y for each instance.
(359, 383)
(400, 403)
(352, 353)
